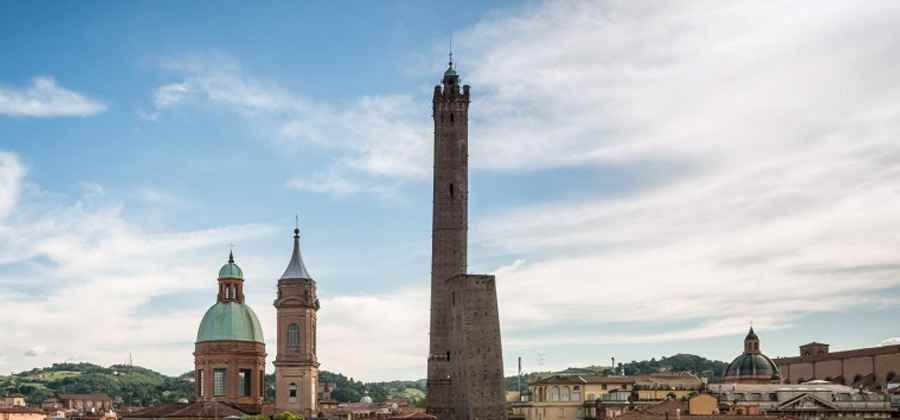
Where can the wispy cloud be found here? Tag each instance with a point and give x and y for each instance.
(383, 135)
(44, 98)
(93, 269)
(782, 120)
(11, 174)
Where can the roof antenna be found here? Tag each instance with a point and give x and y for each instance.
(451, 51)
(297, 224)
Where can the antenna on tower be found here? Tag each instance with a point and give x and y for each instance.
(451, 51)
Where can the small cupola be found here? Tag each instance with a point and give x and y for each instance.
(231, 282)
(751, 342)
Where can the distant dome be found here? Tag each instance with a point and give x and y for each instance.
(366, 399)
(230, 321)
(752, 365)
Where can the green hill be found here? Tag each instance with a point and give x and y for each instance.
(133, 385)
(130, 385)
(711, 369)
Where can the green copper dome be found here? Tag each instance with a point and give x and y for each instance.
(230, 322)
(231, 270)
(752, 365)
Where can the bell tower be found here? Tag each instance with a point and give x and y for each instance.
(465, 357)
(296, 365)
(450, 108)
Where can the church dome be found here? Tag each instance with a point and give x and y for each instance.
(230, 321)
(231, 270)
(366, 399)
(752, 365)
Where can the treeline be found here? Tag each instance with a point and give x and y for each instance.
(134, 385)
(138, 386)
(711, 369)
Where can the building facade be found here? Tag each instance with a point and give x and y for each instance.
(84, 403)
(21, 413)
(296, 364)
(871, 367)
(575, 397)
(230, 351)
(813, 401)
(12, 400)
(465, 362)
(595, 397)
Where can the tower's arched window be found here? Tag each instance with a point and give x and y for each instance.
(293, 336)
(292, 392)
(451, 118)
(451, 191)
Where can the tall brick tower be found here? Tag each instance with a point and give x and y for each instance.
(465, 365)
(296, 365)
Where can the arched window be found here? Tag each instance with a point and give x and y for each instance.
(293, 336)
(554, 394)
(292, 392)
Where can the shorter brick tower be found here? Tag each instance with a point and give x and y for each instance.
(476, 356)
(296, 365)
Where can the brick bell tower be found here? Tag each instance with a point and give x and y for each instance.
(449, 226)
(465, 360)
(296, 365)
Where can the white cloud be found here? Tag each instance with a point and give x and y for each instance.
(35, 351)
(329, 184)
(390, 327)
(383, 136)
(893, 341)
(91, 189)
(781, 120)
(171, 94)
(44, 98)
(11, 174)
(83, 275)
(777, 123)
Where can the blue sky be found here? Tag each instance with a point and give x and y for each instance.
(647, 178)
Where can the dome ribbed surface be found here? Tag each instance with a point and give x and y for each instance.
(231, 271)
(230, 322)
(750, 364)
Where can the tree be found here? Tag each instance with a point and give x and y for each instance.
(287, 415)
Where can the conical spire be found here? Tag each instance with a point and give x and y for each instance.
(295, 268)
